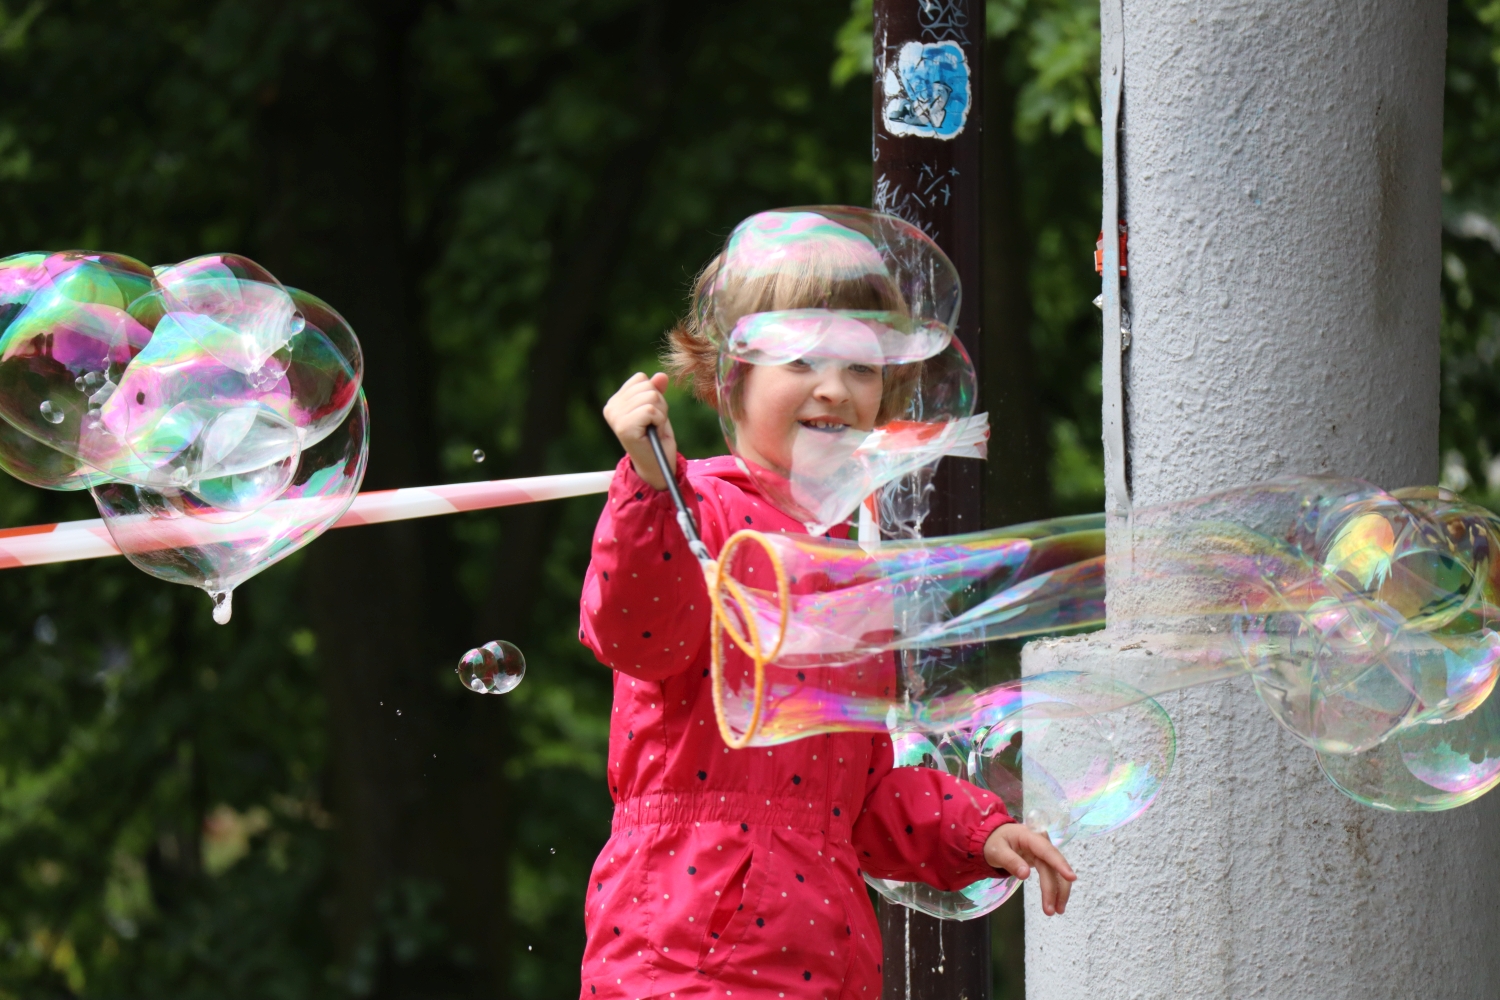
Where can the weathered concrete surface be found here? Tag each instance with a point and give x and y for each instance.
(1281, 166)
(1281, 180)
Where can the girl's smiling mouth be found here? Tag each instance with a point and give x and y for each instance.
(824, 425)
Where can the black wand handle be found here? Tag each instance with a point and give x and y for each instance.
(684, 519)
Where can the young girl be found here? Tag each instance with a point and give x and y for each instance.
(738, 872)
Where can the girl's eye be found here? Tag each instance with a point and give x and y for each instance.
(863, 370)
(800, 364)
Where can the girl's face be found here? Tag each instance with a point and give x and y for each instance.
(817, 396)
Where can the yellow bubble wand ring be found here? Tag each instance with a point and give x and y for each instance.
(719, 580)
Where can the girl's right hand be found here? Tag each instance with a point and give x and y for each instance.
(640, 404)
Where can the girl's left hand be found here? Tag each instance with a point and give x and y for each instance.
(1017, 849)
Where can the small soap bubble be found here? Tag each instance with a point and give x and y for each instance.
(45, 630)
(478, 454)
(494, 668)
(53, 414)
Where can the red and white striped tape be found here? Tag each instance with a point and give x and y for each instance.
(72, 540)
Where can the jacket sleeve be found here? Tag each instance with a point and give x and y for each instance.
(922, 825)
(645, 609)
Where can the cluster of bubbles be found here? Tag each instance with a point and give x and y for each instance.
(215, 415)
(1366, 621)
(495, 668)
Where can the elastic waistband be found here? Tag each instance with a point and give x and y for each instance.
(682, 808)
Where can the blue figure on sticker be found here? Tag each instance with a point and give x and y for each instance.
(927, 91)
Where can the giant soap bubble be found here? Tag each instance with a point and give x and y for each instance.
(1365, 619)
(862, 305)
(1070, 754)
(215, 415)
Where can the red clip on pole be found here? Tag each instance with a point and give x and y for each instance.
(1099, 251)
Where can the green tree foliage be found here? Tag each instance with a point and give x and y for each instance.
(1049, 51)
(1470, 427)
(508, 200)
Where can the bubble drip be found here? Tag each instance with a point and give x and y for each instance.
(223, 605)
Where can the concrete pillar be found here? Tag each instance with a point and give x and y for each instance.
(1279, 171)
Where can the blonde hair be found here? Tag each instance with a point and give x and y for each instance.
(692, 352)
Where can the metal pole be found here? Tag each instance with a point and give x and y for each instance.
(1280, 171)
(928, 77)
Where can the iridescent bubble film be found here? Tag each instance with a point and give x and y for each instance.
(1364, 619)
(842, 321)
(945, 753)
(216, 415)
(1072, 755)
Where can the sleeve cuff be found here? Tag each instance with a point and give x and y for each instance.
(628, 483)
(981, 833)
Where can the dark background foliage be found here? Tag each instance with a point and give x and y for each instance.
(508, 201)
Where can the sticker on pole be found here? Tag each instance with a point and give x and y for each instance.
(927, 91)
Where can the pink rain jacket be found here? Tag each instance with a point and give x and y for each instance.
(737, 872)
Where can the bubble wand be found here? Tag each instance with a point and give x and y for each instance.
(719, 581)
(684, 519)
(67, 541)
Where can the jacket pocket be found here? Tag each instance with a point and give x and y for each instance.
(738, 900)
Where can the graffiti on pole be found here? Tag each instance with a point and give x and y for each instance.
(944, 20)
